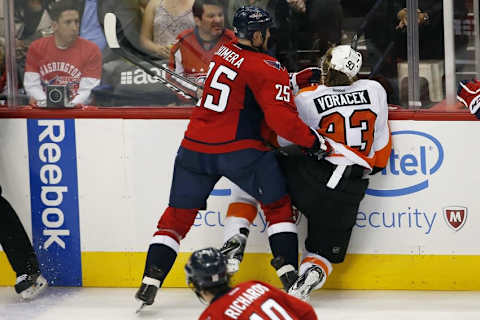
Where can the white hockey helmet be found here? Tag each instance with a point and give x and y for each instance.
(346, 60)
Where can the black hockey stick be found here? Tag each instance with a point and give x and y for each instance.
(113, 31)
(181, 86)
(362, 27)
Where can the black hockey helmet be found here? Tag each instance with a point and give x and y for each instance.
(206, 268)
(249, 19)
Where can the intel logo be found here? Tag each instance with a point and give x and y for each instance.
(415, 158)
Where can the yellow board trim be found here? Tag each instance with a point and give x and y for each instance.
(359, 271)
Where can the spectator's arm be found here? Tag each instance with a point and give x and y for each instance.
(146, 33)
(33, 87)
(32, 80)
(84, 90)
(91, 77)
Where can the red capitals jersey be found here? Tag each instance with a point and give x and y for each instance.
(64, 67)
(256, 300)
(244, 89)
(188, 56)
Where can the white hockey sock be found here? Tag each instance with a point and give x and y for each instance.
(233, 225)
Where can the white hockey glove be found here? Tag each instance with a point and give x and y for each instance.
(320, 149)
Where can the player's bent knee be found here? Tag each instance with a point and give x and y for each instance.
(177, 221)
(278, 211)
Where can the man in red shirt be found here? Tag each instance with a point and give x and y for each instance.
(195, 47)
(253, 300)
(63, 59)
(245, 91)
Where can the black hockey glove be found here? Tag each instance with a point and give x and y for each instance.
(320, 149)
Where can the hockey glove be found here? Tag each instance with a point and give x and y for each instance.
(320, 149)
(468, 93)
(304, 78)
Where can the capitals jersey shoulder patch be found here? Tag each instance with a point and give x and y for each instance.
(274, 64)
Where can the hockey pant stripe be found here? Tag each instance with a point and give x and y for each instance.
(281, 227)
(166, 240)
(319, 261)
(242, 210)
(176, 223)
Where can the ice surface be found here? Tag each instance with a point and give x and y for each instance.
(180, 304)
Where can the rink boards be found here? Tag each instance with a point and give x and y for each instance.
(90, 192)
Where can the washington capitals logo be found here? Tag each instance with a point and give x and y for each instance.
(275, 64)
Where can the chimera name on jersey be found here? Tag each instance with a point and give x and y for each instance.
(230, 56)
(341, 99)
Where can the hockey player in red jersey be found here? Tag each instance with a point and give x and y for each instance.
(468, 93)
(252, 300)
(352, 114)
(245, 91)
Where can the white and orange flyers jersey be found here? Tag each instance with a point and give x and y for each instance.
(353, 119)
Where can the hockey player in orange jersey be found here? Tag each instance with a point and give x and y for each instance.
(352, 114)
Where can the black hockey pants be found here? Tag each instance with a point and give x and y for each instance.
(15, 241)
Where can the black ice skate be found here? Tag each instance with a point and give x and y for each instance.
(150, 284)
(286, 272)
(307, 282)
(30, 285)
(233, 250)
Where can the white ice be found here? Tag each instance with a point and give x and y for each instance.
(180, 304)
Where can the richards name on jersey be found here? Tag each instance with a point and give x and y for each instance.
(329, 101)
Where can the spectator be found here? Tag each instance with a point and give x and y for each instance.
(92, 13)
(430, 21)
(162, 22)
(304, 30)
(389, 44)
(3, 71)
(63, 59)
(14, 241)
(206, 275)
(32, 21)
(194, 48)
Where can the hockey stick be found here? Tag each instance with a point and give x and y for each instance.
(110, 29)
(362, 27)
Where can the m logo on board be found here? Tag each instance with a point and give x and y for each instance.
(455, 217)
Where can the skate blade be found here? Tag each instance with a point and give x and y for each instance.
(141, 307)
(35, 290)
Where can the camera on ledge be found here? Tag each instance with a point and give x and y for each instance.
(58, 96)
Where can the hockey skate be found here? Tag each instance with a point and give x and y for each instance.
(150, 285)
(286, 272)
(30, 285)
(307, 282)
(233, 250)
